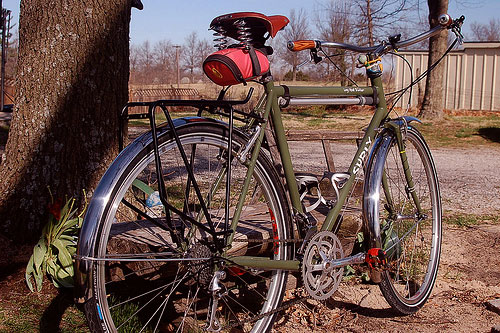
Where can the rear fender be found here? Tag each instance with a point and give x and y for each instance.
(101, 202)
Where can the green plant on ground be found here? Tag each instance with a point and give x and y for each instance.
(53, 254)
(126, 316)
(462, 220)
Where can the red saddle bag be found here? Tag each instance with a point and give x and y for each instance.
(235, 65)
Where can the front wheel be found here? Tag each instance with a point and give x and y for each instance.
(409, 217)
(155, 271)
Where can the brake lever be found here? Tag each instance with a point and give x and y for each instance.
(315, 57)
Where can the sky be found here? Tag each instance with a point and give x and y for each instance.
(174, 20)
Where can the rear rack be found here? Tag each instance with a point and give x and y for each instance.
(218, 106)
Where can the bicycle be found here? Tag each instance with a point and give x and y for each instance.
(192, 229)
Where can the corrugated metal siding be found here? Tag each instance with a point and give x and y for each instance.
(471, 80)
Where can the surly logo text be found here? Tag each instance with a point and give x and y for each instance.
(362, 156)
(353, 89)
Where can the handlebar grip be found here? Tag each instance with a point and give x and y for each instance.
(300, 45)
(445, 20)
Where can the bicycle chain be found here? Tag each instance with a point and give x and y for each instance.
(286, 304)
(289, 240)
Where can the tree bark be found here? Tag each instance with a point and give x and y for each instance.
(72, 82)
(433, 104)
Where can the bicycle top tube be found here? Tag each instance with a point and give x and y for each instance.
(445, 22)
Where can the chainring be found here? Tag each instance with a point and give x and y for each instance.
(320, 278)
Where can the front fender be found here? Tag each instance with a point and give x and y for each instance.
(373, 176)
(100, 203)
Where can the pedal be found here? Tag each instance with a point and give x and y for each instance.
(376, 258)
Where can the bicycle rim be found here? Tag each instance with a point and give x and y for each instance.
(411, 239)
(169, 288)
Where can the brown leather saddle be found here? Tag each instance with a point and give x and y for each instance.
(250, 27)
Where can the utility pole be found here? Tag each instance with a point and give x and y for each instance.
(5, 26)
(177, 47)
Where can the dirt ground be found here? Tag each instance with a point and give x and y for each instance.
(469, 273)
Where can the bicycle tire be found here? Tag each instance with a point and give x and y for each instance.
(412, 243)
(177, 292)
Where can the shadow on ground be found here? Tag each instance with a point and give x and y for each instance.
(490, 133)
(364, 311)
(52, 316)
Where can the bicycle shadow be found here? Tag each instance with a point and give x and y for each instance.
(53, 314)
(364, 311)
(490, 133)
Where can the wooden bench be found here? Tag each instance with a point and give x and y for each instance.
(150, 93)
(325, 136)
(250, 228)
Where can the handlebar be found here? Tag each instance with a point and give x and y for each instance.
(445, 22)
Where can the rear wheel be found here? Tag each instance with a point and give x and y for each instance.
(410, 237)
(157, 270)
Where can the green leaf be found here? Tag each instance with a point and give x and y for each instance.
(51, 268)
(63, 278)
(70, 223)
(64, 256)
(68, 244)
(56, 284)
(360, 237)
(67, 237)
(348, 270)
(30, 270)
(67, 208)
(71, 272)
(39, 280)
(50, 230)
(365, 277)
(39, 253)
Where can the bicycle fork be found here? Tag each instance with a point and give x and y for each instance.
(410, 185)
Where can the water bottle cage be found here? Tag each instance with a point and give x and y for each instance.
(306, 183)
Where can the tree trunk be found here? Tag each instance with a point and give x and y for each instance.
(370, 23)
(433, 104)
(71, 84)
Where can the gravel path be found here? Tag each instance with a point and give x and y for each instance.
(469, 177)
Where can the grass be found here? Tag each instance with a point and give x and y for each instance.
(463, 131)
(468, 220)
(453, 131)
(45, 312)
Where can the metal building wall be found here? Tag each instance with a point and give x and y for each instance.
(471, 80)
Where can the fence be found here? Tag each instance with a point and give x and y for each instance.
(471, 80)
(150, 93)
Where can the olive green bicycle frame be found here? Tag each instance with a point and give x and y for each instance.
(272, 109)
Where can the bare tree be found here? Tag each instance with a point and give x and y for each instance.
(378, 18)
(335, 24)
(297, 29)
(433, 103)
(164, 54)
(191, 54)
(72, 79)
(486, 31)
(134, 64)
(204, 49)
